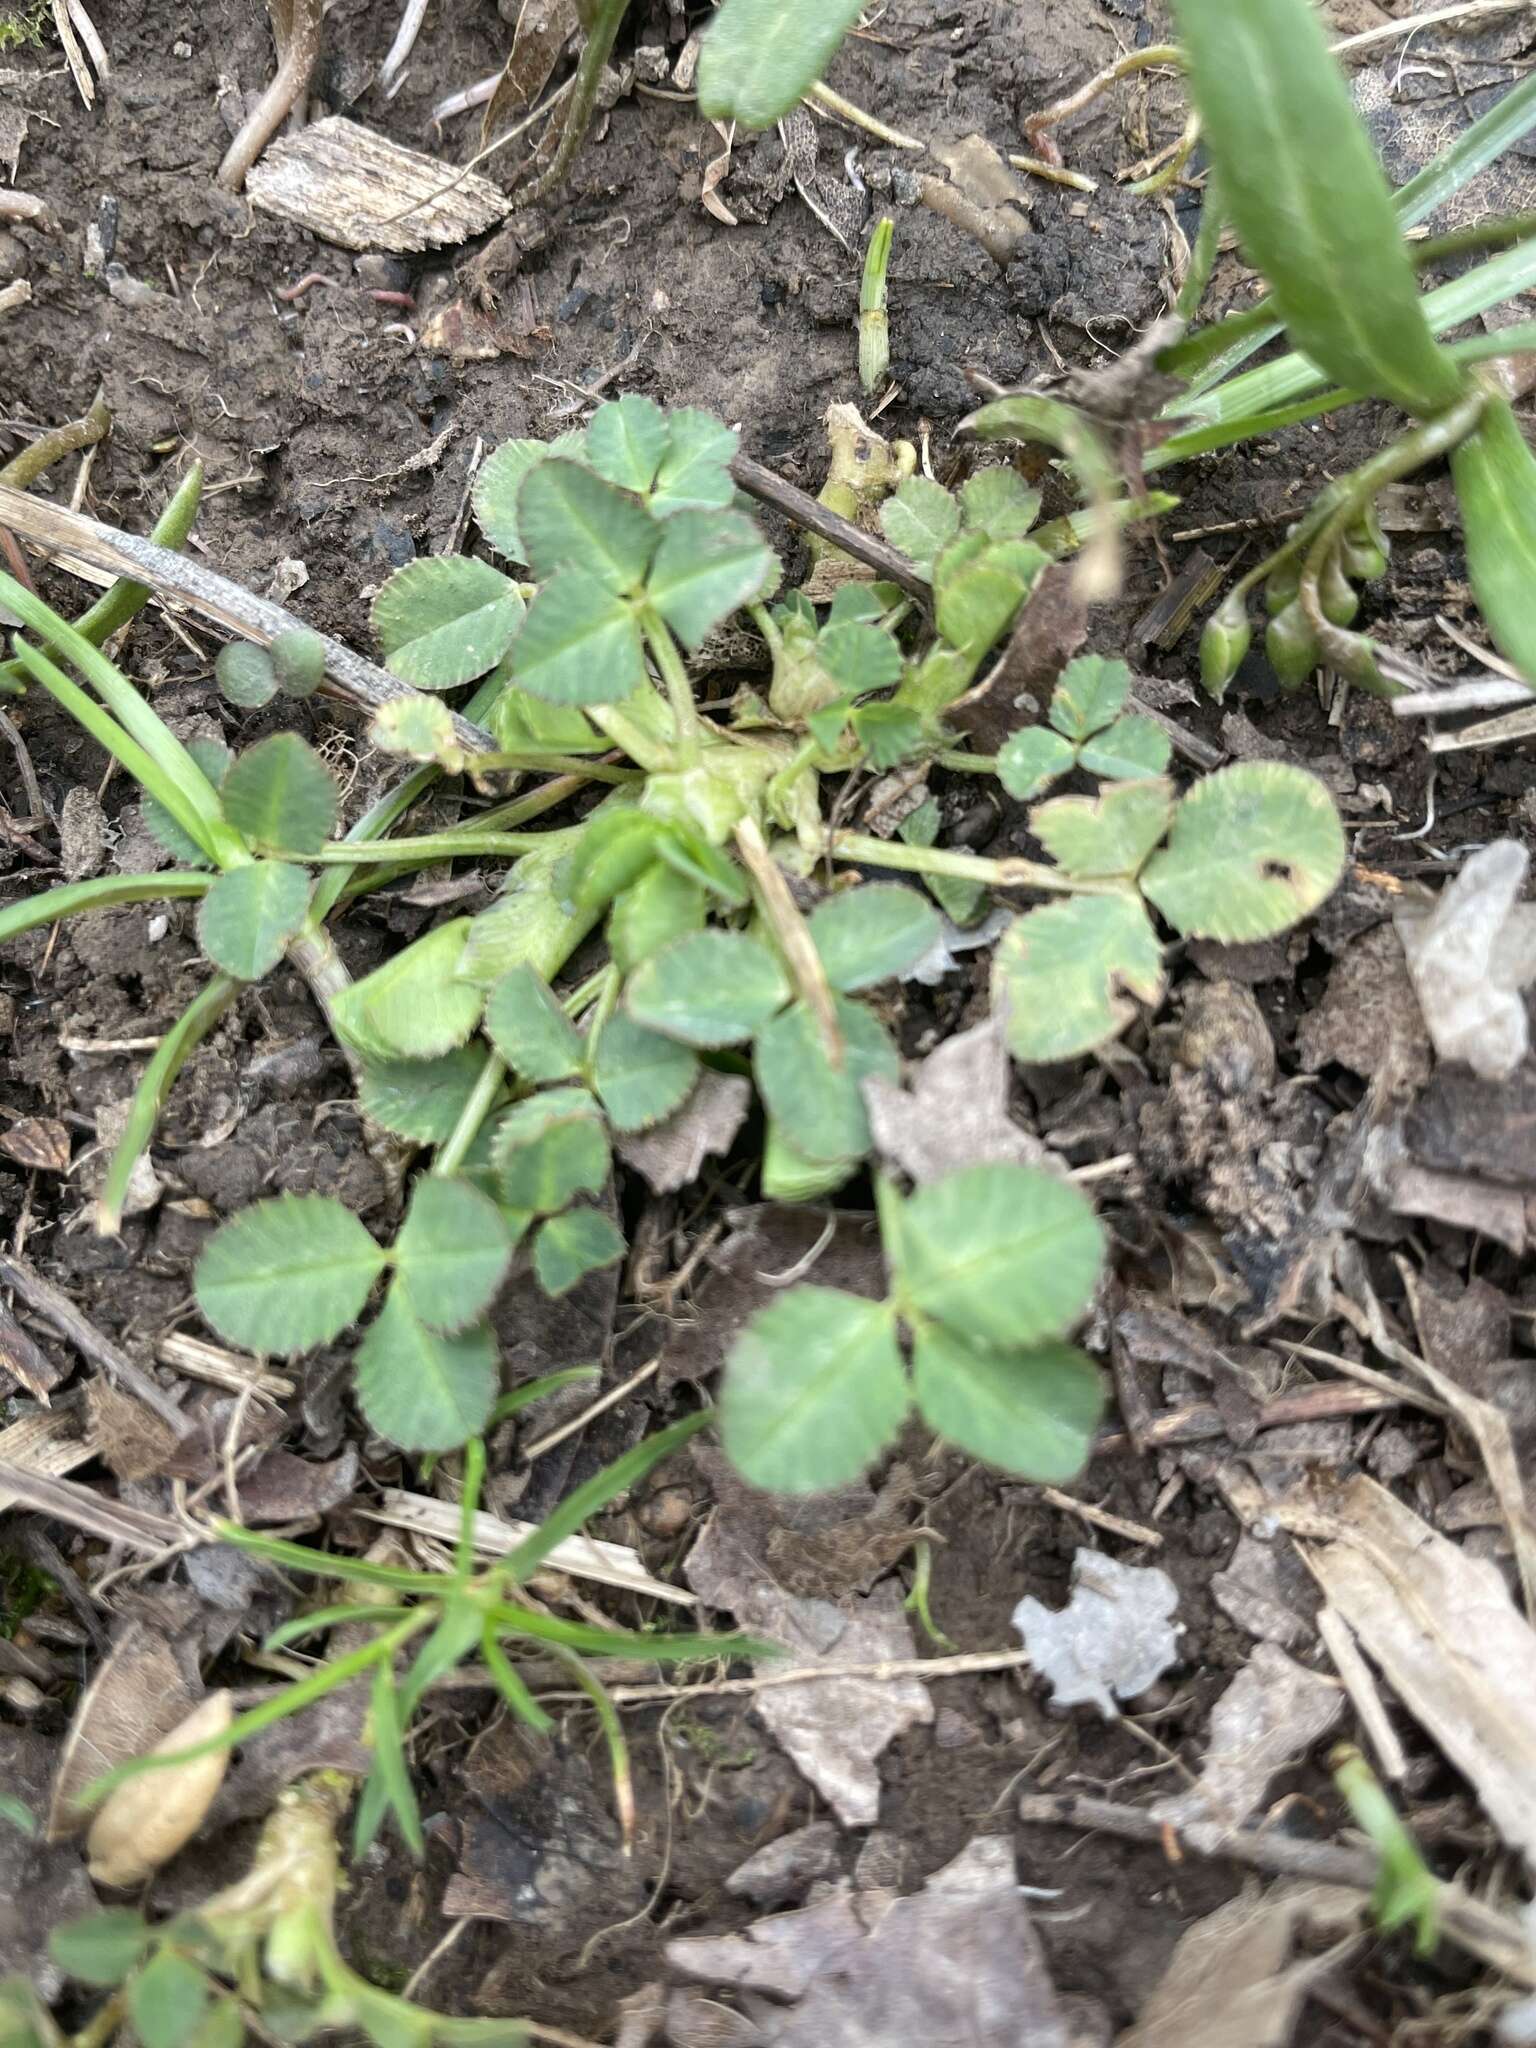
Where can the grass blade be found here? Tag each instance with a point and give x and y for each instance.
(389, 1771)
(106, 892)
(171, 1055)
(509, 1683)
(596, 1493)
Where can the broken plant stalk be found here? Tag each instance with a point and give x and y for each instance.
(296, 29)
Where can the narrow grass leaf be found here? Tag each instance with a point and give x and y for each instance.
(1495, 474)
(814, 1390)
(389, 1763)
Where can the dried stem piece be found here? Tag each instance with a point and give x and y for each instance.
(296, 32)
(814, 517)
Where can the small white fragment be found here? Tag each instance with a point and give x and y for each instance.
(1114, 1636)
(1471, 956)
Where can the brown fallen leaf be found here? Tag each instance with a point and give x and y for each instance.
(23, 1362)
(147, 1684)
(954, 1111)
(672, 1154)
(1268, 1717)
(41, 1142)
(1051, 628)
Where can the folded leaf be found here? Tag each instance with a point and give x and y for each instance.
(1495, 474)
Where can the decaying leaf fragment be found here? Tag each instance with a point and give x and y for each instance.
(1114, 1637)
(359, 190)
(1271, 1714)
(1471, 957)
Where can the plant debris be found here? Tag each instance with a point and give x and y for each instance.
(1113, 1639)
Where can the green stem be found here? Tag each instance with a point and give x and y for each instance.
(594, 55)
(670, 665)
(964, 867)
(968, 764)
(561, 764)
(170, 1056)
(24, 469)
(105, 893)
(451, 845)
(453, 1152)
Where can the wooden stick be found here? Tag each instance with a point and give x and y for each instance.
(810, 513)
(203, 590)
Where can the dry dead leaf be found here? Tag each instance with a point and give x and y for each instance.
(1231, 1983)
(954, 1112)
(146, 1685)
(957, 1962)
(1470, 958)
(716, 171)
(1114, 1637)
(1266, 1590)
(41, 1142)
(1271, 1714)
(23, 1362)
(672, 1155)
(1051, 628)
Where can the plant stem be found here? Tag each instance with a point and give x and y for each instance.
(790, 929)
(296, 33)
(674, 673)
(845, 110)
(453, 1152)
(170, 1056)
(594, 55)
(563, 764)
(964, 867)
(105, 893)
(413, 852)
(52, 447)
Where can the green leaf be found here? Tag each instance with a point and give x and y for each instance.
(888, 733)
(641, 1076)
(452, 1253)
(1495, 474)
(788, 1176)
(286, 1274)
(213, 758)
(690, 854)
(1091, 693)
(501, 478)
(419, 1389)
(867, 934)
(25, 2022)
(529, 1029)
(1308, 197)
(859, 657)
(17, 1814)
(813, 1391)
(103, 1947)
(760, 56)
(978, 605)
(248, 916)
(709, 564)
(224, 2025)
(963, 902)
(571, 519)
(1062, 974)
(517, 720)
(921, 519)
(549, 1150)
(660, 906)
(1129, 749)
(1111, 834)
(446, 619)
(818, 1107)
(710, 989)
(279, 794)
(1032, 1412)
(420, 1099)
(1006, 1256)
(166, 2000)
(419, 729)
(389, 1766)
(579, 643)
(413, 1007)
(616, 848)
(1028, 762)
(852, 604)
(695, 472)
(298, 662)
(998, 503)
(1254, 849)
(571, 1246)
(626, 440)
(245, 674)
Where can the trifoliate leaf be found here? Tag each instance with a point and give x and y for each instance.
(1031, 1412)
(1062, 975)
(445, 619)
(888, 733)
(921, 519)
(571, 519)
(419, 1389)
(998, 503)
(245, 921)
(977, 606)
(580, 644)
(1132, 747)
(626, 440)
(529, 1029)
(866, 935)
(1028, 762)
(298, 662)
(413, 1007)
(103, 1947)
(695, 471)
(1006, 1256)
(641, 1076)
(660, 906)
(710, 989)
(279, 794)
(819, 1107)
(419, 729)
(452, 1253)
(549, 1150)
(1091, 693)
(286, 1274)
(859, 657)
(166, 2000)
(245, 674)
(571, 1246)
(420, 1099)
(813, 1391)
(1254, 849)
(501, 478)
(708, 565)
(1107, 835)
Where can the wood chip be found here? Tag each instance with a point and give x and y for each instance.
(359, 190)
(583, 1557)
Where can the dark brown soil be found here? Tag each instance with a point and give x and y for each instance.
(303, 414)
